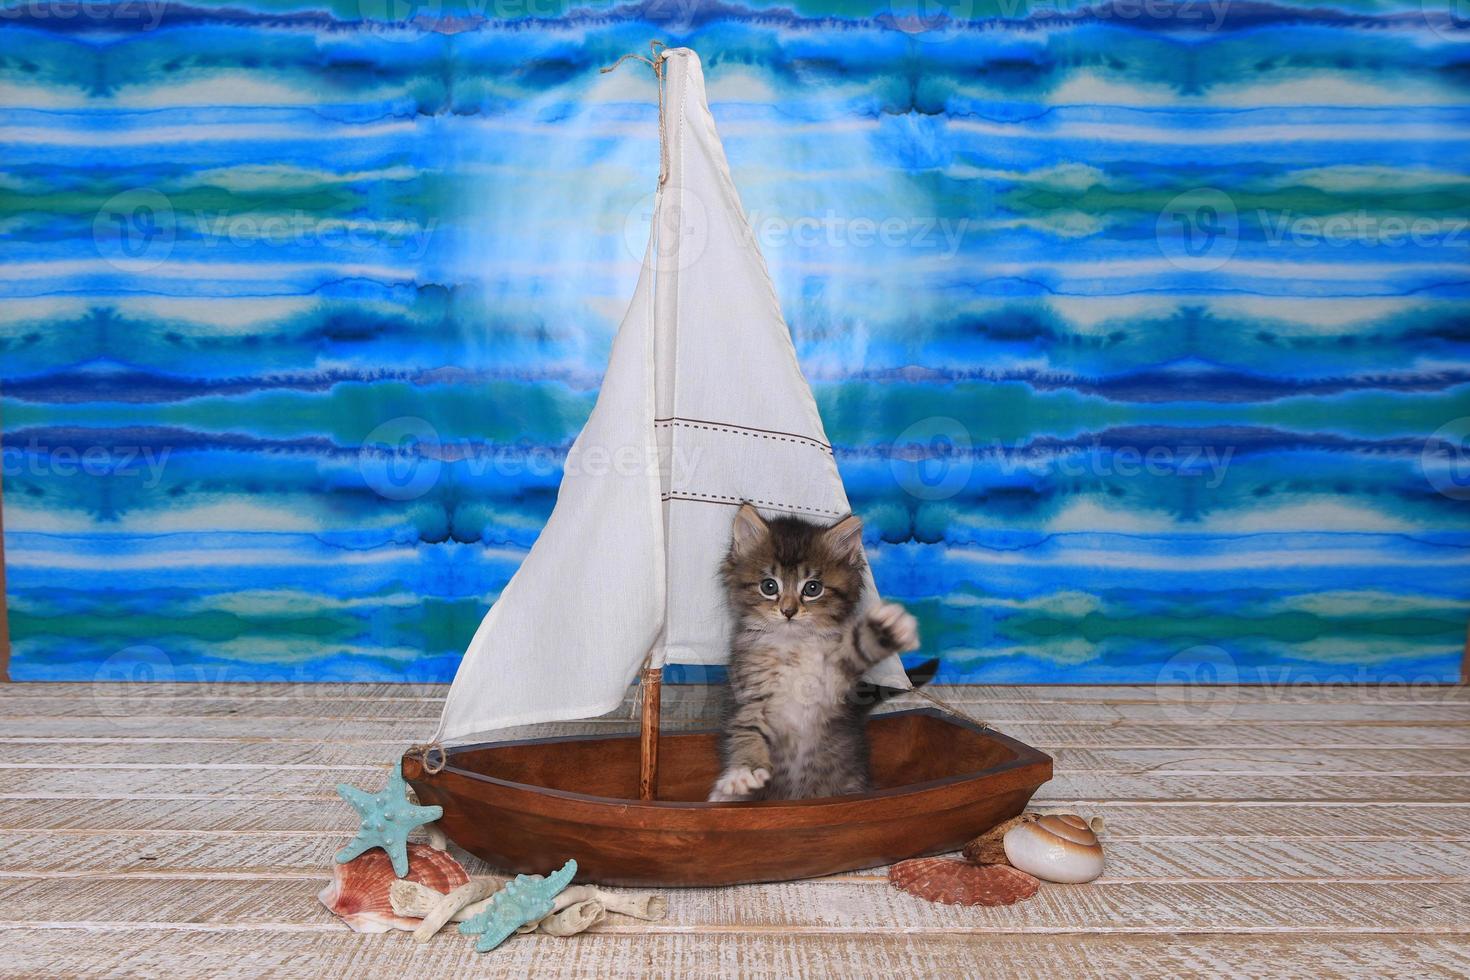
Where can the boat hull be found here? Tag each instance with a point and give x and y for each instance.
(527, 806)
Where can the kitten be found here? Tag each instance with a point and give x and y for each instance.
(799, 648)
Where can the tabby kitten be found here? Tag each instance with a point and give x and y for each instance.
(799, 648)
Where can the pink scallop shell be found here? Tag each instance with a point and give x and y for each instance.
(953, 882)
(358, 891)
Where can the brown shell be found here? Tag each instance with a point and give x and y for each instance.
(952, 882)
(989, 847)
(1070, 827)
(1058, 847)
(358, 891)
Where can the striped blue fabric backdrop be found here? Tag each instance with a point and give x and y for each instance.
(1140, 330)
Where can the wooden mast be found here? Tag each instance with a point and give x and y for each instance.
(651, 682)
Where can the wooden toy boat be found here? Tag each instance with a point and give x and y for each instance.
(527, 806)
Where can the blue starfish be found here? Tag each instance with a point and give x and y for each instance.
(387, 819)
(529, 898)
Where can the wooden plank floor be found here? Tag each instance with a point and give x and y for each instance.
(184, 830)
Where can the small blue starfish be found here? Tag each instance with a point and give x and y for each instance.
(528, 898)
(387, 819)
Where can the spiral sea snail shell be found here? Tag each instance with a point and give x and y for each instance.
(1061, 847)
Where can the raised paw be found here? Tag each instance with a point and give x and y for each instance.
(738, 783)
(895, 628)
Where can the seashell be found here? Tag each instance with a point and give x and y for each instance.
(1059, 847)
(952, 882)
(359, 889)
(988, 847)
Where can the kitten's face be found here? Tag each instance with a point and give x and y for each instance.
(791, 574)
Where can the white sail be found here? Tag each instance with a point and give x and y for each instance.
(703, 406)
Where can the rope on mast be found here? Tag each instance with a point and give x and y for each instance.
(946, 707)
(656, 62)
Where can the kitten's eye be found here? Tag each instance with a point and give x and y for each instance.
(769, 587)
(812, 589)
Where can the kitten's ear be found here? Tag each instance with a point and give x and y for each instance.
(750, 529)
(845, 538)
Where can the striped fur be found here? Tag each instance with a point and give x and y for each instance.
(795, 730)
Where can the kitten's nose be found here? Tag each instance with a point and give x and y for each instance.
(789, 611)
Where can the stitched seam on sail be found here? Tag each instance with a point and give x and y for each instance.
(694, 496)
(741, 430)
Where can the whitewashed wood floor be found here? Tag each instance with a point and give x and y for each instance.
(184, 830)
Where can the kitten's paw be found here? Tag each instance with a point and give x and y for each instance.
(738, 783)
(895, 628)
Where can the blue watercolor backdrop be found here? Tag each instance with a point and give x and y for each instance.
(1140, 333)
